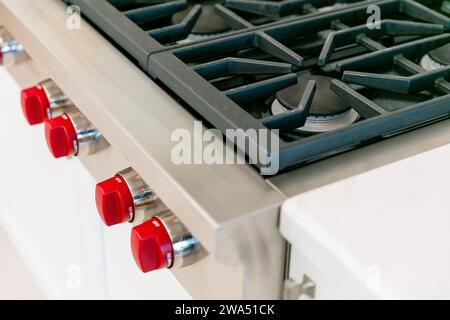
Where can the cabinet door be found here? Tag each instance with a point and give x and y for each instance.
(47, 207)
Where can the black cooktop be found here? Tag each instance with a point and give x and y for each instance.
(324, 76)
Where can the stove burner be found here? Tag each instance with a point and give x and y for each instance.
(441, 55)
(335, 6)
(193, 37)
(328, 111)
(209, 23)
(436, 59)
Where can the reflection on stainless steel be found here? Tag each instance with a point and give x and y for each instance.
(59, 103)
(12, 51)
(185, 246)
(90, 140)
(146, 202)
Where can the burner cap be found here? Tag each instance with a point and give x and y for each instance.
(429, 64)
(325, 102)
(208, 23)
(441, 55)
(328, 111)
(335, 6)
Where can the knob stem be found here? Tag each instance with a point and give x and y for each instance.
(11, 51)
(184, 245)
(88, 137)
(72, 134)
(163, 242)
(143, 196)
(126, 198)
(58, 101)
(44, 101)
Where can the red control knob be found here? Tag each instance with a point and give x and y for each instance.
(35, 104)
(61, 136)
(114, 201)
(152, 246)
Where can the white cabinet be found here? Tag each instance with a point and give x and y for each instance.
(48, 210)
(381, 234)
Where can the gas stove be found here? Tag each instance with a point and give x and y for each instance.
(151, 26)
(320, 74)
(347, 88)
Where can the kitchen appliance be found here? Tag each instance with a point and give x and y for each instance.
(345, 95)
(251, 72)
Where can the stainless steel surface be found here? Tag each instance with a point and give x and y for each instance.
(89, 139)
(12, 51)
(59, 103)
(186, 249)
(230, 209)
(146, 202)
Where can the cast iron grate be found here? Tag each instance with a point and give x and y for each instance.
(143, 27)
(232, 80)
(229, 80)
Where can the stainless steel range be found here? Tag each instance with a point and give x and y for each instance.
(310, 98)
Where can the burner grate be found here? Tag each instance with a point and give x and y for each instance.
(197, 74)
(146, 27)
(231, 80)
